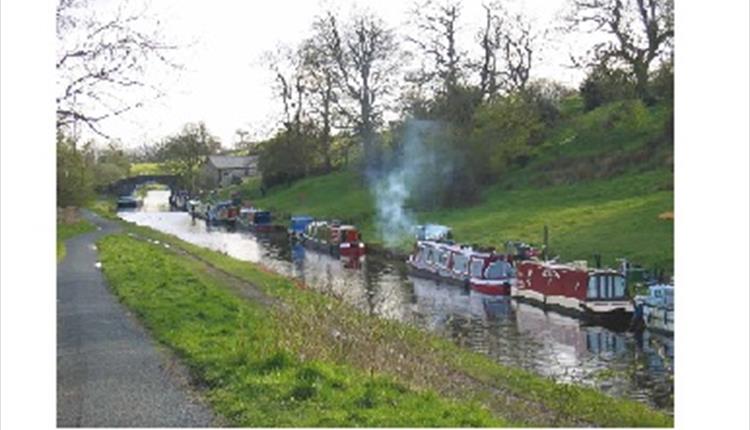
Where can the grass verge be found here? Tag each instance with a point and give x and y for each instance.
(308, 327)
(66, 230)
(236, 349)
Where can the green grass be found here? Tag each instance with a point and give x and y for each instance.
(137, 169)
(367, 345)
(67, 230)
(235, 348)
(599, 182)
(104, 206)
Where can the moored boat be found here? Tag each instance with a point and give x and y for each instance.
(483, 271)
(597, 294)
(335, 238)
(297, 225)
(657, 308)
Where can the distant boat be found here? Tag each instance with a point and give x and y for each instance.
(297, 225)
(657, 308)
(483, 271)
(127, 201)
(254, 219)
(336, 238)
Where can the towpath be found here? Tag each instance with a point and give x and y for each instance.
(110, 373)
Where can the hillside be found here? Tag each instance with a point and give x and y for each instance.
(600, 182)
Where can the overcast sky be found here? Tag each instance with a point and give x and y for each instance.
(226, 85)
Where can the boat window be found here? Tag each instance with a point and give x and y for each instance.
(476, 267)
(610, 286)
(444, 258)
(619, 286)
(430, 256)
(657, 293)
(591, 291)
(496, 270)
(460, 262)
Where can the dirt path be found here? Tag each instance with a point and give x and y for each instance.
(110, 373)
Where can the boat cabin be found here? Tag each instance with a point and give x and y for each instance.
(434, 232)
(298, 224)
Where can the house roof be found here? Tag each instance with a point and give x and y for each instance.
(230, 162)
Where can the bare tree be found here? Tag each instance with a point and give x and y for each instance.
(437, 24)
(507, 41)
(366, 56)
(101, 62)
(641, 32)
(321, 76)
(286, 66)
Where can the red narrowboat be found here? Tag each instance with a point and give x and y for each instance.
(599, 294)
(337, 239)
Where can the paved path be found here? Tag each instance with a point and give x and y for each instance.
(109, 371)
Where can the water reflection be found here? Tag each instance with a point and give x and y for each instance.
(510, 332)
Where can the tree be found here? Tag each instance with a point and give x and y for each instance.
(603, 85)
(74, 176)
(366, 57)
(438, 27)
(507, 41)
(641, 31)
(101, 60)
(187, 151)
(321, 76)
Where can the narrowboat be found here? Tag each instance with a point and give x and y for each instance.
(657, 308)
(221, 213)
(597, 294)
(335, 238)
(297, 225)
(254, 219)
(483, 271)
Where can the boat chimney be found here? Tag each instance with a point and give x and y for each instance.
(546, 243)
(598, 260)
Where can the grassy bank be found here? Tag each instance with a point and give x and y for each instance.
(229, 342)
(600, 182)
(66, 230)
(616, 217)
(237, 349)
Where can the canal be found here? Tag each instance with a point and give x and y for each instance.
(512, 333)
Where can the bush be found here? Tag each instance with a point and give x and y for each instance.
(604, 85)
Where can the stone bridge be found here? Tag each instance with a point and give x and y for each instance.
(127, 185)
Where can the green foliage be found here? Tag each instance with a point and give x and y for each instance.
(187, 151)
(290, 155)
(604, 85)
(75, 179)
(138, 169)
(504, 131)
(233, 347)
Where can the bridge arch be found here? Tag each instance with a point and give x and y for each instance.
(127, 185)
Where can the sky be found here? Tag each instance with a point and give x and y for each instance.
(225, 84)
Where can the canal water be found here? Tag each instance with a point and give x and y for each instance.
(510, 332)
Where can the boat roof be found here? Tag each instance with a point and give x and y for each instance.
(302, 218)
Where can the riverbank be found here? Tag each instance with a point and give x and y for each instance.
(601, 181)
(313, 328)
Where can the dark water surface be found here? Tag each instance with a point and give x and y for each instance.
(510, 332)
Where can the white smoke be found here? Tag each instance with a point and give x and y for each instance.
(418, 169)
